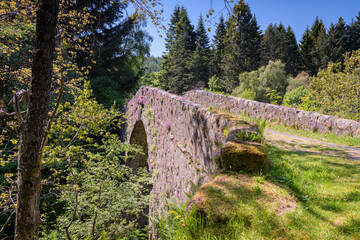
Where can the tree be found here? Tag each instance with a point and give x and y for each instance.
(354, 34)
(271, 78)
(118, 46)
(338, 41)
(293, 52)
(306, 47)
(242, 43)
(273, 44)
(218, 48)
(199, 64)
(33, 135)
(33, 128)
(175, 63)
(336, 89)
(321, 42)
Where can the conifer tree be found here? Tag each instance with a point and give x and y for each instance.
(273, 44)
(306, 47)
(199, 64)
(242, 44)
(170, 33)
(354, 34)
(218, 48)
(316, 28)
(319, 38)
(292, 52)
(175, 63)
(338, 41)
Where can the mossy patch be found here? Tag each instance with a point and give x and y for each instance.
(243, 156)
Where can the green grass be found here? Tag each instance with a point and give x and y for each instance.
(328, 137)
(303, 195)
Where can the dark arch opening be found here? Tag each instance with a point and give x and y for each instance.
(138, 137)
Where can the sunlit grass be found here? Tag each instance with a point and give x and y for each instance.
(304, 195)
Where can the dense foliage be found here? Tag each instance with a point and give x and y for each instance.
(336, 89)
(86, 188)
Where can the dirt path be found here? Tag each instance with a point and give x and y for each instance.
(297, 143)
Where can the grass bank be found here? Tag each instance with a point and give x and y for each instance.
(303, 195)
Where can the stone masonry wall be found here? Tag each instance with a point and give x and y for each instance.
(280, 114)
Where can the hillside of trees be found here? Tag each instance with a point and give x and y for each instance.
(244, 61)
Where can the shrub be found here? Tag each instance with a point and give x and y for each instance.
(295, 97)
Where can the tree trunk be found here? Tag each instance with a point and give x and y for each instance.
(33, 129)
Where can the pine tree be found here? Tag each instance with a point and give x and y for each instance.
(175, 63)
(316, 28)
(199, 64)
(218, 48)
(202, 38)
(319, 38)
(306, 47)
(273, 44)
(242, 43)
(354, 34)
(170, 33)
(118, 46)
(292, 64)
(338, 41)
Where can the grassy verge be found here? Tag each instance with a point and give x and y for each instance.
(303, 196)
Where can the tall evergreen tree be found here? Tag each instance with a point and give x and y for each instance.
(175, 63)
(319, 38)
(242, 44)
(202, 38)
(338, 41)
(316, 28)
(118, 46)
(170, 33)
(292, 63)
(199, 64)
(306, 47)
(354, 34)
(273, 44)
(218, 48)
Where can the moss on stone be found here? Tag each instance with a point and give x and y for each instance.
(243, 156)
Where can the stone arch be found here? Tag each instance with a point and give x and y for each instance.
(139, 137)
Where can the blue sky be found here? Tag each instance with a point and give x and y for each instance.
(297, 14)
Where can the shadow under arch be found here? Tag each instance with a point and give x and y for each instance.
(139, 137)
(137, 161)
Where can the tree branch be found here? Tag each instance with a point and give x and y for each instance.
(94, 222)
(62, 79)
(73, 217)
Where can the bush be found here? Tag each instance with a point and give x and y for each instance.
(271, 78)
(215, 84)
(295, 97)
(337, 88)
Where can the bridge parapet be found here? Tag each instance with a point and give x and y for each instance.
(280, 114)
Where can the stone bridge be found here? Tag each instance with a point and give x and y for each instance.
(187, 144)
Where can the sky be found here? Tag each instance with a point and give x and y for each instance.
(298, 14)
